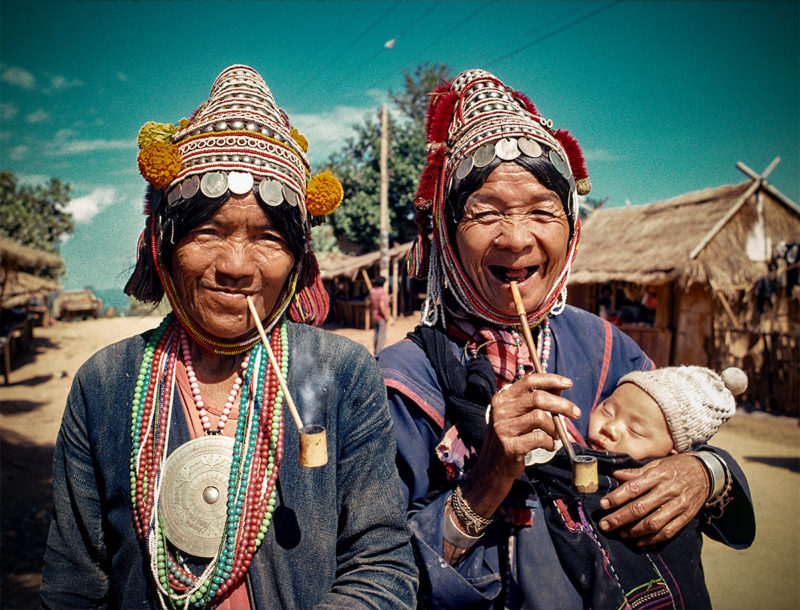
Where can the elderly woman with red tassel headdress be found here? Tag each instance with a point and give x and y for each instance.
(497, 206)
(178, 479)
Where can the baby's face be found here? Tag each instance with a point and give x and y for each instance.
(630, 421)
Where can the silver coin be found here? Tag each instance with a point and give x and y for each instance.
(530, 147)
(559, 164)
(463, 168)
(190, 187)
(173, 195)
(483, 156)
(214, 184)
(240, 183)
(194, 494)
(506, 149)
(291, 197)
(271, 192)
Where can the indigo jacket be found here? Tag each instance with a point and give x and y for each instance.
(338, 536)
(515, 563)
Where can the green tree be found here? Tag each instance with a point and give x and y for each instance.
(34, 216)
(357, 165)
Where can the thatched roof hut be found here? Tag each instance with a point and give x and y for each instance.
(18, 255)
(347, 280)
(699, 279)
(336, 266)
(653, 244)
(16, 285)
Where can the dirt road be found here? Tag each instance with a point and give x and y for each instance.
(765, 576)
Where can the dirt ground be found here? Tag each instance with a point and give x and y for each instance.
(767, 575)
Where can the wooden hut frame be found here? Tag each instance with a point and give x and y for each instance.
(703, 253)
(347, 280)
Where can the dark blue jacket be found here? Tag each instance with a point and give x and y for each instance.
(338, 536)
(511, 565)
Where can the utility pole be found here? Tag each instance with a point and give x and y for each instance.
(384, 194)
(384, 201)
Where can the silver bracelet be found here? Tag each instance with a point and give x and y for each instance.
(456, 537)
(717, 472)
(474, 522)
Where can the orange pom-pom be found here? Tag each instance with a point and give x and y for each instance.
(159, 163)
(324, 194)
(299, 138)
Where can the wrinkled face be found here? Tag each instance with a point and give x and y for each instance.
(630, 421)
(234, 254)
(513, 228)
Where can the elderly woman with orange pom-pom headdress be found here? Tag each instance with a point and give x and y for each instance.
(180, 477)
(497, 212)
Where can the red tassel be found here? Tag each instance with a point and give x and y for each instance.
(574, 152)
(311, 302)
(423, 200)
(527, 102)
(440, 114)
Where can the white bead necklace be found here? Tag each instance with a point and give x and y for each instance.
(195, 389)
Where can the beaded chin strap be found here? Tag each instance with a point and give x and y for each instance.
(256, 458)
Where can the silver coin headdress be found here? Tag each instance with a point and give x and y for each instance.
(471, 122)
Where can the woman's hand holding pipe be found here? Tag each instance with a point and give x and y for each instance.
(657, 500)
(520, 421)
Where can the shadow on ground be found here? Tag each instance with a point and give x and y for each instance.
(789, 463)
(27, 508)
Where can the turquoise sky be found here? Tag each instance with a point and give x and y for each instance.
(665, 97)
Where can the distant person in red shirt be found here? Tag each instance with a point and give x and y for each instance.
(380, 312)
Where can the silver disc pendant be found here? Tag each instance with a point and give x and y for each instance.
(240, 183)
(506, 149)
(559, 164)
(173, 195)
(190, 187)
(194, 494)
(463, 168)
(483, 156)
(530, 148)
(214, 184)
(270, 192)
(291, 197)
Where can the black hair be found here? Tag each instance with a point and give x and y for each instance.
(544, 171)
(174, 222)
(379, 281)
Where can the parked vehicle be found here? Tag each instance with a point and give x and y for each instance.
(76, 303)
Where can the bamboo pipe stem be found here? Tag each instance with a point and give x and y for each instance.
(558, 419)
(275, 365)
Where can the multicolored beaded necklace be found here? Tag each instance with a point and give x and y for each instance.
(257, 455)
(543, 348)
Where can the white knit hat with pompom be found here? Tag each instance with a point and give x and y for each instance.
(695, 400)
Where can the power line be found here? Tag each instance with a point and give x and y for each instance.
(354, 42)
(553, 33)
(481, 6)
(400, 35)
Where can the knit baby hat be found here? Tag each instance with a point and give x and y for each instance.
(695, 400)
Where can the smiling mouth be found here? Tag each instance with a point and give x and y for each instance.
(508, 274)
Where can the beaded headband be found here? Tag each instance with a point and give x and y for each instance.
(470, 123)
